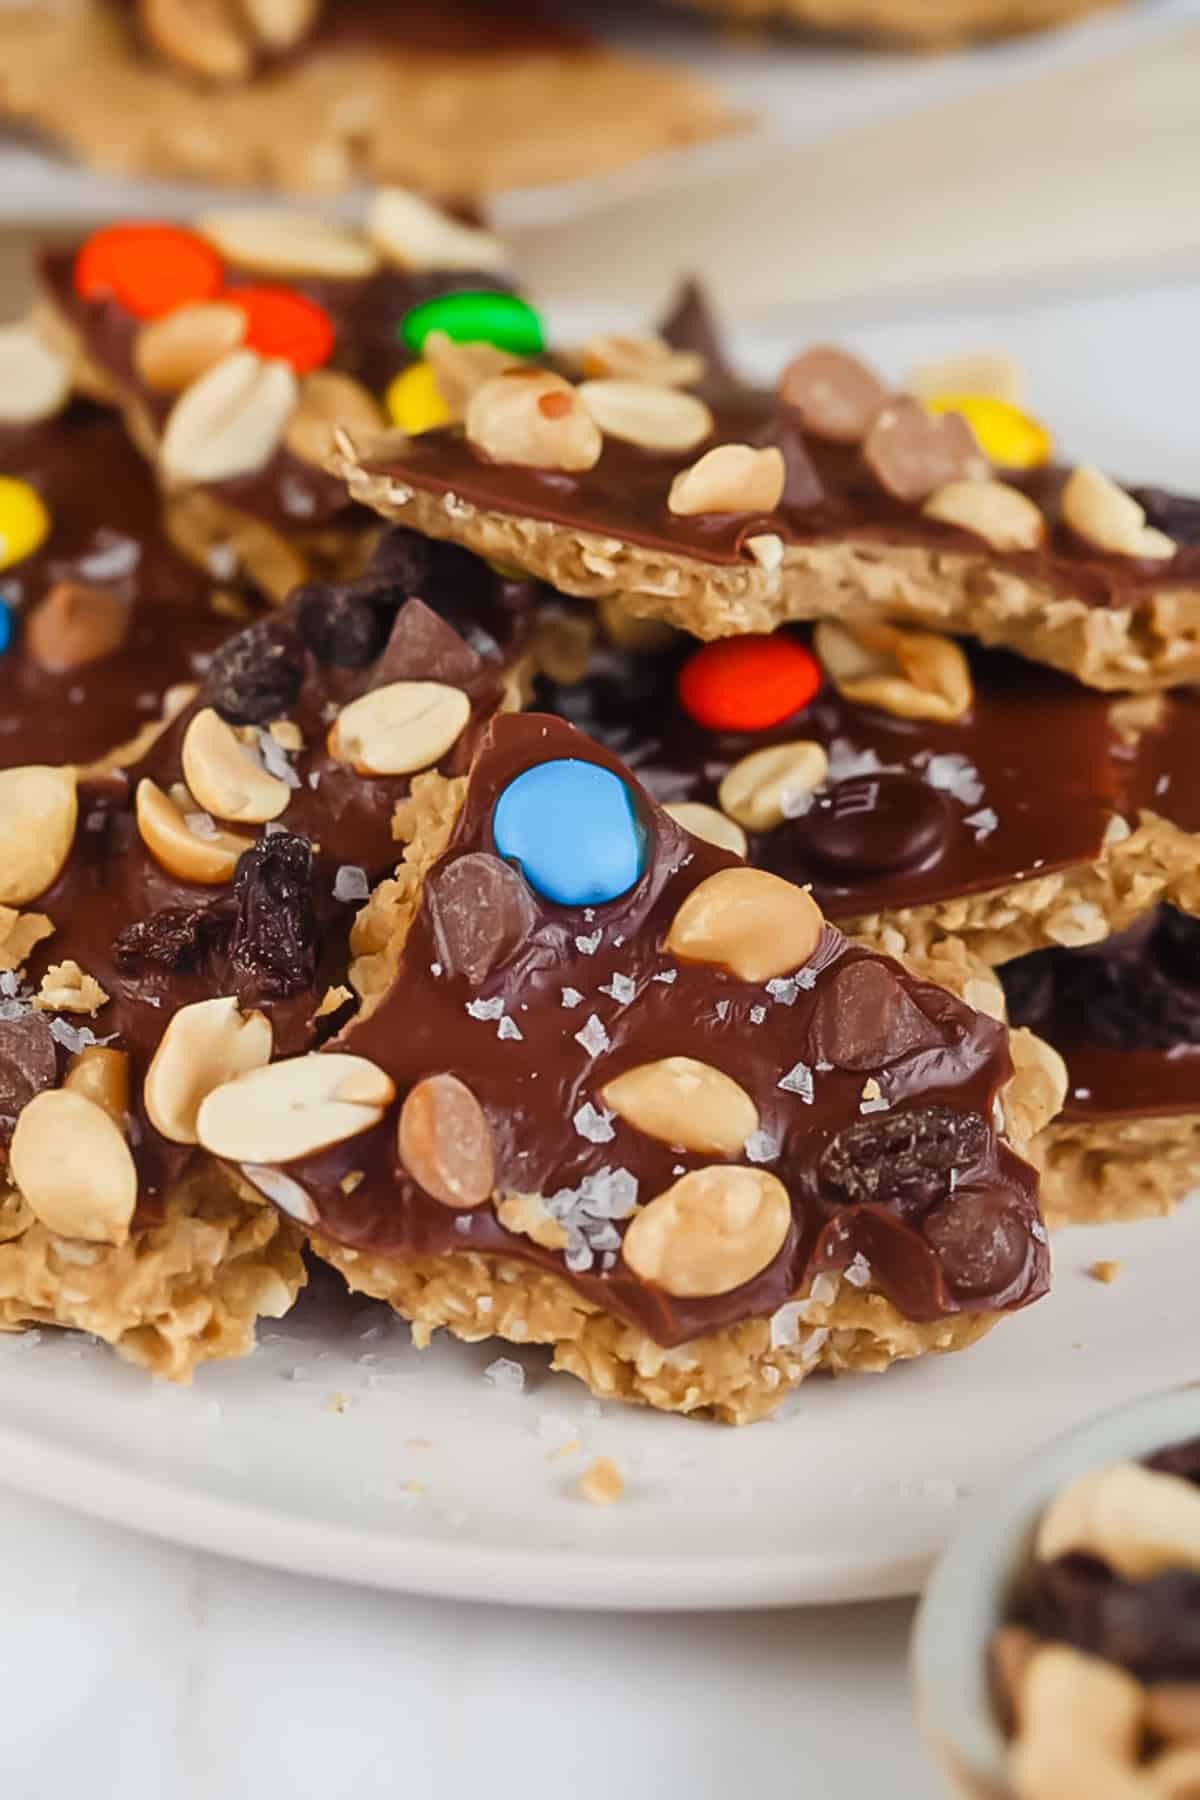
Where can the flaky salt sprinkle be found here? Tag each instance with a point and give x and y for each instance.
(274, 758)
(588, 946)
(621, 988)
(783, 990)
(761, 1147)
(594, 1124)
(510, 1030)
(506, 1375)
(350, 882)
(723, 1008)
(857, 1271)
(953, 774)
(785, 1324)
(666, 976)
(486, 1009)
(799, 1080)
(593, 1038)
(571, 997)
(982, 823)
(757, 1014)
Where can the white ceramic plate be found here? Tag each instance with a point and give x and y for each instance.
(847, 1494)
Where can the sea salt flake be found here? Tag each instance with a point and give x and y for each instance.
(812, 1345)
(723, 1008)
(508, 1028)
(799, 1080)
(1037, 1231)
(666, 976)
(953, 774)
(593, 1038)
(571, 997)
(588, 946)
(314, 779)
(275, 759)
(486, 1009)
(823, 1291)
(621, 988)
(761, 1147)
(857, 1271)
(435, 968)
(350, 883)
(75, 1037)
(463, 1224)
(783, 990)
(845, 762)
(757, 1014)
(506, 1375)
(982, 823)
(785, 1325)
(113, 558)
(201, 824)
(594, 1124)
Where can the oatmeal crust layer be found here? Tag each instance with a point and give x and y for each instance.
(1122, 1169)
(185, 1292)
(1155, 644)
(441, 121)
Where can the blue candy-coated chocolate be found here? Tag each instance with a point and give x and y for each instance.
(6, 627)
(571, 829)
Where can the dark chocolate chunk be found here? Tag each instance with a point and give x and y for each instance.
(903, 1159)
(981, 1248)
(1136, 991)
(423, 647)
(482, 911)
(802, 486)
(173, 940)
(1151, 1628)
(273, 946)
(691, 324)
(866, 1020)
(338, 626)
(1176, 514)
(257, 675)
(1178, 1459)
(867, 825)
(28, 1064)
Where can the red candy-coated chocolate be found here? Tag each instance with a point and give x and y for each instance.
(748, 683)
(286, 325)
(149, 269)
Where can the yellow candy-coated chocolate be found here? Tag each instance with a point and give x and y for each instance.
(24, 521)
(1006, 435)
(414, 400)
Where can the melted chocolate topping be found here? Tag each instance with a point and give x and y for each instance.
(1124, 1014)
(940, 1207)
(106, 532)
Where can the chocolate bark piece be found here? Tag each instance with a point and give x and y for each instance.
(838, 542)
(546, 1023)
(922, 830)
(71, 701)
(444, 93)
(910, 22)
(1125, 1016)
(144, 928)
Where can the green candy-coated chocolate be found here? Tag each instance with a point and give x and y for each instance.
(476, 318)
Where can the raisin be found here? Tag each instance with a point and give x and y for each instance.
(174, 940)
(338, 626)
(1138, 991)
(273, 945)
(981, 1243)
(903, 1159)
(28, 1064)
(1151, 1627)
(257, 675)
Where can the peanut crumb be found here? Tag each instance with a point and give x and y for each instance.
(1105, 1271)
(354, 1179)
(229, 605)
(337, 1403)
(67, 988)
(569, 1448)
(19, 934)
(331, 1000)
(287, 734)
(601, 1482)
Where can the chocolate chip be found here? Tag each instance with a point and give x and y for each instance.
(75, 625)
(273, 946)
(423, 647)
(867, 825)
(257, 675)
(980, 1242)
(802, 486)
(482, 911)
(836, 396)
(1151, 1627)
(691, 324)
(1176, 514)
(173, 940)
(911, 452)
(903, 1159)
(339, 627)
(864, 1019)
(28, 1065)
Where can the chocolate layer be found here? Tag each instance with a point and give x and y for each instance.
(563, 999)
(1125, 1015)
(106, 533)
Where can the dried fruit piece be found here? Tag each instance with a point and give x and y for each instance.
(28, 1064)
(753, 924)
(339, 626)
(35, 379)
(533, 418)
(171, 352)
(328, 400)
(294, 1108)
(911, 453)
(1104, 515)
(225, 777)
(204, 1046)
(397, 729)
(653, 418)
(911, 674)
(411, 233)
(73, 625)
(482, 911)
(74, 1168)
(774, 783)
(38, 811)
(681, 1101)
(710, 1232)
(1003, 516)
(173, 940)
(273, 940)
(208, 859)
(732, 478)
(256, 676)
(640, 359)
(445, 1142)
(836, 395)
(707, 823)
(229, 422)
(903, 1159)
(101, 1075)
(275, 241)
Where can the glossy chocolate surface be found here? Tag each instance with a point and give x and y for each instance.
(106, 532)
(1125, 1015)
(274, 937)
(510, 1029)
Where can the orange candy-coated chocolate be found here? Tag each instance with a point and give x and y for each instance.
(286, 325)
(748, 683)
(149, 269)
